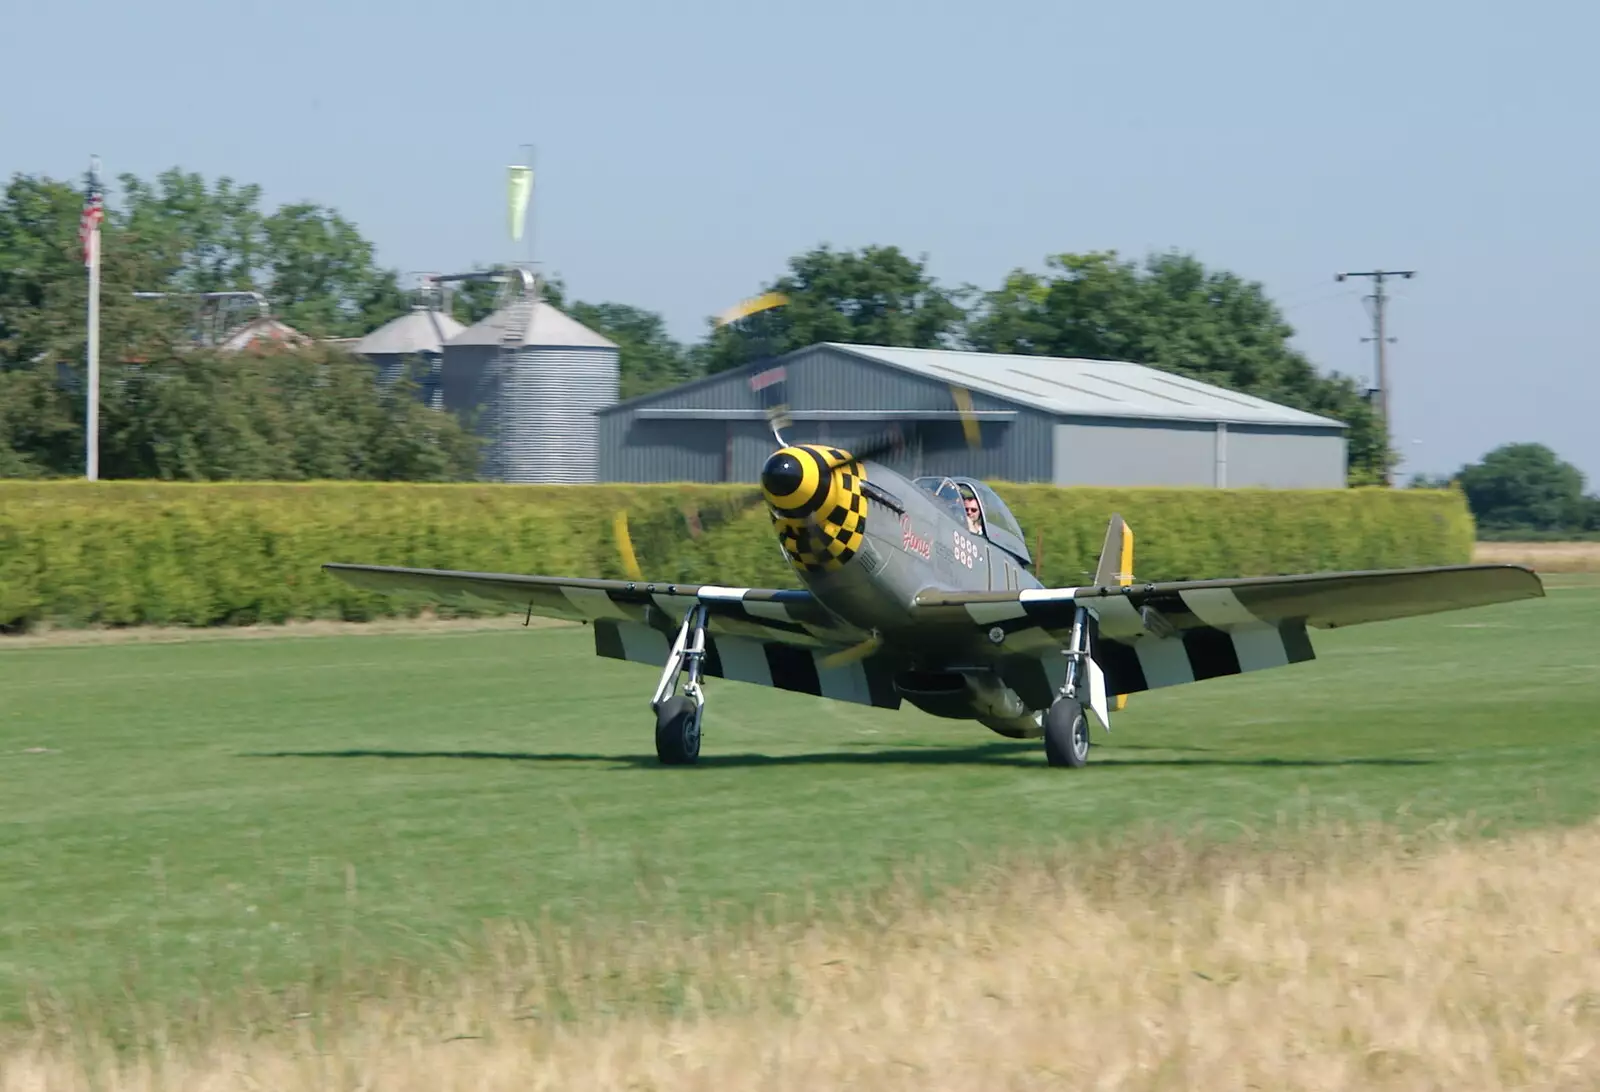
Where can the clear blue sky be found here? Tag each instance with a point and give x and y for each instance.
(687, 149)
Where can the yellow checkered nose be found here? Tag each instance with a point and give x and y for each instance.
(817, 505)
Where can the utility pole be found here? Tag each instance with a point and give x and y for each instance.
(1379, 339)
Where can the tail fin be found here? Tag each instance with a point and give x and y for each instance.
(1116, 556)
(1116, 567)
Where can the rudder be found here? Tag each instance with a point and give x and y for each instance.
(1116, 567)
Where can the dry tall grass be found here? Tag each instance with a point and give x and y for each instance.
(1369, 964)
(1544, 557)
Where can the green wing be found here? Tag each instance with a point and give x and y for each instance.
(773, 637)
(1164, 634)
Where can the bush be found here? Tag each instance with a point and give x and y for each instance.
(1198, 534)
(76, 553)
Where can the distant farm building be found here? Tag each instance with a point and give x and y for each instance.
(263, 334)
(1042, 419)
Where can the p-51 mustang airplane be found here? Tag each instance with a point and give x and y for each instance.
(923, 591)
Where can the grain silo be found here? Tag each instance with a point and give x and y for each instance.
(529, 379)
(421, 333)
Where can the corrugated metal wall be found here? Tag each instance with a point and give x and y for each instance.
(724, 448)
(1284, 458)
(467, 388)
(660, 451)
(535, 408)
(462, 377)
(389, 367)
(548, 398)
(1101, 451)
(1094, 451)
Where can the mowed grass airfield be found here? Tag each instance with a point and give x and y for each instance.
(183, 818)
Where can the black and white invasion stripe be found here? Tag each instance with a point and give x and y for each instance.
(739, 658)
(1165, 634)
(1146, 642)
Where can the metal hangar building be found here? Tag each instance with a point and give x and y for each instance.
(1042, 419)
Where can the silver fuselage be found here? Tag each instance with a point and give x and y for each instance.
(947, 670)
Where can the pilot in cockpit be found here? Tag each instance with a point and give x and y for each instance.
(969, 501)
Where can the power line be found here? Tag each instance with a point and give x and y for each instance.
(1379, 340)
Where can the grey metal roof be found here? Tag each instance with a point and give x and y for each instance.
(420, 331)
(1096, 388)
(548, 327)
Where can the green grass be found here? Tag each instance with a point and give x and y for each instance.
(217, 813)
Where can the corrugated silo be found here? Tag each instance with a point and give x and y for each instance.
(421, 333)
(530, 379)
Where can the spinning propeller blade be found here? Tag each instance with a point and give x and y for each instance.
(745, 308)
(770, 384)
(969, 420)
(619, 528)
(894, 438)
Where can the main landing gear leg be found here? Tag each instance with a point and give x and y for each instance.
(1066, 726)
(678, 717)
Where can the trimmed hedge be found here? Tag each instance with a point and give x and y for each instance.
(161, 553)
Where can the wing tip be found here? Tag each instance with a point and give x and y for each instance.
(352, 567)
(1534, 581)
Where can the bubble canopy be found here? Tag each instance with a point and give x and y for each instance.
(999, 525)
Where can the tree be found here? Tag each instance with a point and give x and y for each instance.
(319, 274)
(323, 279)
(1590, 510)
(1525, 487)
(44, 286)
(43, 298)
(169, 409)
(1174, 314)
(474, 301)
(39, 430)
(199, 238)
(650, 360)
(203, 415)
(875, 296)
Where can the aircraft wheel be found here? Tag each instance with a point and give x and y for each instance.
(1066, 735)
(678, 732)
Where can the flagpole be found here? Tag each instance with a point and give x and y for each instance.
(527, 155)
(92, 422)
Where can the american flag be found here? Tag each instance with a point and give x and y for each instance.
(94, 211)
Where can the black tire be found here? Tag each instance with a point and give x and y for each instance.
(1066, 735)
(678, 732)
